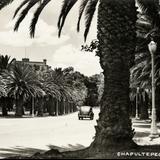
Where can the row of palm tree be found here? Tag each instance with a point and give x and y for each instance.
(117, 42)
(147, 27)
(52, 91)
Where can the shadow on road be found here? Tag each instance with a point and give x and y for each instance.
(25, 152)
(11, 152)
(70, 147)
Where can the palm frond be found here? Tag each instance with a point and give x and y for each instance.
(21, 5)
(67, 6)
(143, 25)
(150, 8)
(22, 82)
(24, 13)
(89, 12)
(5, 63)
(81, 10)
(36, 16)
(4, 3)
(3, 92)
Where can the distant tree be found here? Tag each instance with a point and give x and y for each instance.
(79, 88)
(6, 64)
(22, 83)
(64, 88)
(92, 88)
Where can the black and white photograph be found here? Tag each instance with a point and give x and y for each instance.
(79, 79)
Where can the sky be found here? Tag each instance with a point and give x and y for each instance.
(59, 52)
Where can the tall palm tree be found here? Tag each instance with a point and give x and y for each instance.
(141, 71)
(117, 42)
(5, 65)
(22, 83)
(56, 84)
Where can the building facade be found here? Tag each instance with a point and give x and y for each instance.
(37, 66)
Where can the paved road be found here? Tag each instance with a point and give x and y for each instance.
(29, 135)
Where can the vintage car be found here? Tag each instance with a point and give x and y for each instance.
(85, 112)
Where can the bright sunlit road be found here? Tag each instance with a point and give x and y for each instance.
(29, 135)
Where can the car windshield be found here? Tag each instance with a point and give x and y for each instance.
(85, 109)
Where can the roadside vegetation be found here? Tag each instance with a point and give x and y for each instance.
(24, 91)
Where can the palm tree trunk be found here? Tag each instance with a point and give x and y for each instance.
(133, 108)
(144, 108)
(4, 107)
(51, 106)
(4, 111)
(72, 107)
(61, 107)
(67, 103)
(117, 40)
(57, 108)
(40, 107)
(69, 107)
(64, 107)
(33, 106)
(19, 107)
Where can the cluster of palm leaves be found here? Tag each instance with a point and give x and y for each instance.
(63, 85)
(22, 84)
(148, 26)
(5, 65)
(87, 6)
(142, 68)
(2, 88)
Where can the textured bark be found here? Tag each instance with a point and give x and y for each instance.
(40, 107)
(64, 107)
(52, 106)
(4, 106)
(117, 36)
(61, 107)
(144, 108)
(74, 107)
(71, 106)
(67, 104)
(57, 107)
(4, 111)
(19, 107)
(33, 106)
(133, 108)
